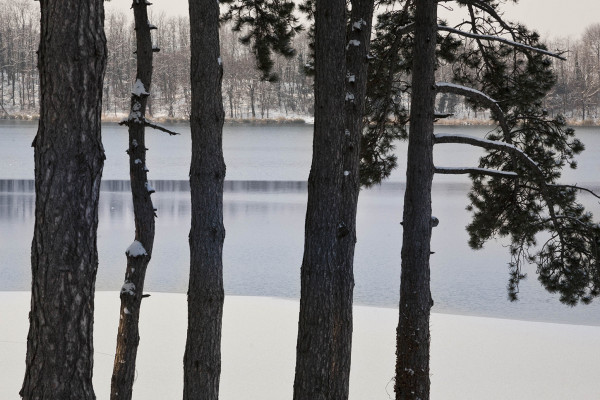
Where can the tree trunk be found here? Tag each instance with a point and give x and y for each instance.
(68, 167)
(412, 353)
(202, 361)
(251, 89)
(356, 86)
(138, 258)
(315, 352)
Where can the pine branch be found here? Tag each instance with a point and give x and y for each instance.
(538, 174)
(490, 145)
(474, 171)
(501, 40)
(444, 87)
(578, 188)
(491, 12)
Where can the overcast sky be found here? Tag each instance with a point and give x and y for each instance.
(551, 18)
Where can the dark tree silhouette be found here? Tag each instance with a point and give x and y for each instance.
(68, 167)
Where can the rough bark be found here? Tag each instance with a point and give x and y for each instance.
(131, 294)
(412, 354)
(68, 167)
(359, 31)
(202, 361)
(323, 229)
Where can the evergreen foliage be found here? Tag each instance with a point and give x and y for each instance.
(268, 26)
(544, 221)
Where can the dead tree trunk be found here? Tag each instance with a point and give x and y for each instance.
(69, 158)
(140, 252)
(317, 326)
(202, 360)
(359, 35)
(412, 337)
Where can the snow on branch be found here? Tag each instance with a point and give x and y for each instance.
(501, 40)
(404, 29)
(475, 171)
(437, 116)
(474, 94)
(538, 174)
(489, 145)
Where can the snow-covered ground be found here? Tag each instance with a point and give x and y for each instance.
(472, 358)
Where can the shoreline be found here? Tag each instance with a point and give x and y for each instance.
(471, 357)
(296, 121)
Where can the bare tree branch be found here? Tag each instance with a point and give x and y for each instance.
(150, 125)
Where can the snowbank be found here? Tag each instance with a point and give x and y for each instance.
(472, 358)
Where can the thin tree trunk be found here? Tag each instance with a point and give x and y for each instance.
(68, 167)
(315, 350)
(139, 254)
(202, 361)
(412, 362)
(356, 87)
(251, 89)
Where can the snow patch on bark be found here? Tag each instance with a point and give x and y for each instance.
(139, 89)
(136, 249)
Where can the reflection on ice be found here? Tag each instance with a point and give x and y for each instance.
(263, 249)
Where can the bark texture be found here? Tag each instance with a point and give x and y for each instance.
(202, 360)
(131, 294)
(68, 167)
(412, 353)
(319, 319)
(358, 33)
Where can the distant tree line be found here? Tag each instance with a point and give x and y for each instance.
(576, 94)
(245, 95)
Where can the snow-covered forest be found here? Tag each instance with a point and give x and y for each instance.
(576, 94)
(244, 94)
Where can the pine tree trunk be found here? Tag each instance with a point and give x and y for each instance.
(202, 361)
(317, 321)
(356, 85)
(68, 166)
(412, 362)
(135, 274)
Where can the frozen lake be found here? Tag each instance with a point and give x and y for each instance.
(265, 203)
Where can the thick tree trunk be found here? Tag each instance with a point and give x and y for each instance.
(323, 229)
(138, 258)
(412, 362)
(202, 361)
(68, 167)
(359, 32)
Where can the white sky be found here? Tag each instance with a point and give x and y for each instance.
(551, 18)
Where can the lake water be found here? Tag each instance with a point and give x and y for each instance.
(264, 207)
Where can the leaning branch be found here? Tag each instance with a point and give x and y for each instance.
(501, 40)
(445, 87)
(578, 188)
(538, 174)
(491, 145)
(149, 124)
